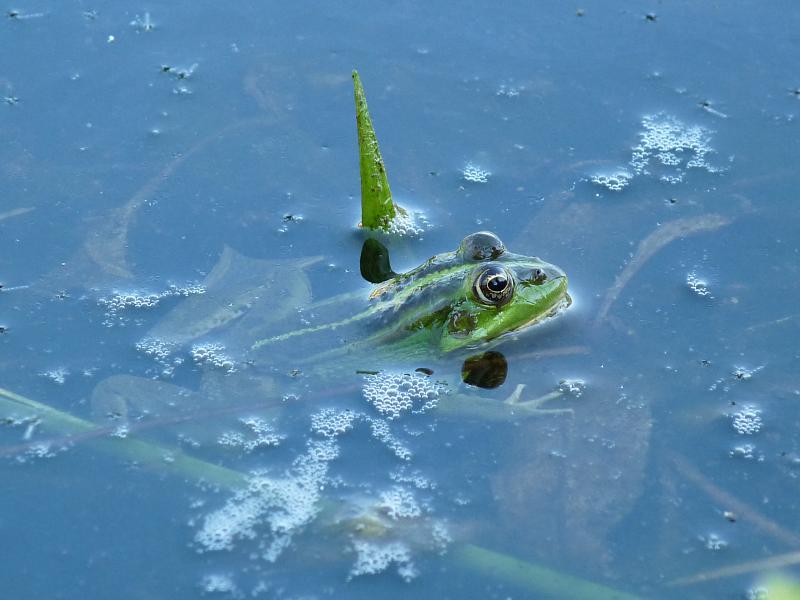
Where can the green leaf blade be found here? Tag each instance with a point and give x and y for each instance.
(377, 208)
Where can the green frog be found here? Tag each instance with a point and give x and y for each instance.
(455, 300)
(464, 300)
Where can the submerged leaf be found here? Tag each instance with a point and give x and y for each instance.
(259, 291)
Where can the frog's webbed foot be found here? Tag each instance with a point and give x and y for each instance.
(515, 401)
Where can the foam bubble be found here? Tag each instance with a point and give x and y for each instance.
(408, 223)
(119, 303)
(670, 146)
(713, 542)
(573, 387)
(58, 375)
(616, 181)
(383, 433)
(747, 421)
(697, 285)
(162, 352)
(399, 503)
(475, 174)
(375, 558)
(270, 509)
(332, 423)
(218, 583)
(213, 355)
(395, 393)
(261, 435)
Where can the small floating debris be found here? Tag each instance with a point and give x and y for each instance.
(180, 72)
(143, 23)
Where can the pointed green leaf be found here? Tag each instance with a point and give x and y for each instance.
(377, 207)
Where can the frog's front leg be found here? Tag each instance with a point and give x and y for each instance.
(534, 405)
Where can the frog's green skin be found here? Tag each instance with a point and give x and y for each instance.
(440, 306)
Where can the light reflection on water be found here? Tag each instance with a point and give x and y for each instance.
(140, 143)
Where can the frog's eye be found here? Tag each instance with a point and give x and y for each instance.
(494, 285)
(483, 245)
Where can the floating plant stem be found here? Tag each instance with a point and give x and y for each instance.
(170, 460)
(545, 582)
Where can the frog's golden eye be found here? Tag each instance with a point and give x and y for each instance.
(494, 285)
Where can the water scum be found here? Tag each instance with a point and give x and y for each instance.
(384, 525)
(667, 150)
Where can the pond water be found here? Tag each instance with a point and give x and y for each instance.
(167, 168)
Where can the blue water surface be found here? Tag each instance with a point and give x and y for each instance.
(649, 150)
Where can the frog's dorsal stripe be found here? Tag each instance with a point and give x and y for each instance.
(402, 293)
(398, 303)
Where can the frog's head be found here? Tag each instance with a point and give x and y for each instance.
(501, 292)
(476, 294)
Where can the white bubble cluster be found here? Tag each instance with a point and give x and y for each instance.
(475, 174)
(212, 355)
(260, 435)
(747, 452)
(375, 558)
(332, 423)
(58, 375)
(714, 542)
(408, 223)
(395, 393)
(697, 285)
(440, 534)
(415, 478)
(270, 510)
(399, 503)
(616, 181)
(747, 421)
(218, 583)
(42, 450)
(573, 387)
(668, 148)
(510, 90)
(120, 302)
(383, 433)
(162, 352)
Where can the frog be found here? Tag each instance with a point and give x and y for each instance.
(465, 299)
(454, 304)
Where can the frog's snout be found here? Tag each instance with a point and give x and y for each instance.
(553, 272)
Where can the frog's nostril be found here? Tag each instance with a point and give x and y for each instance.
(538, 276)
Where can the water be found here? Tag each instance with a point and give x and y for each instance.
(141, 141)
